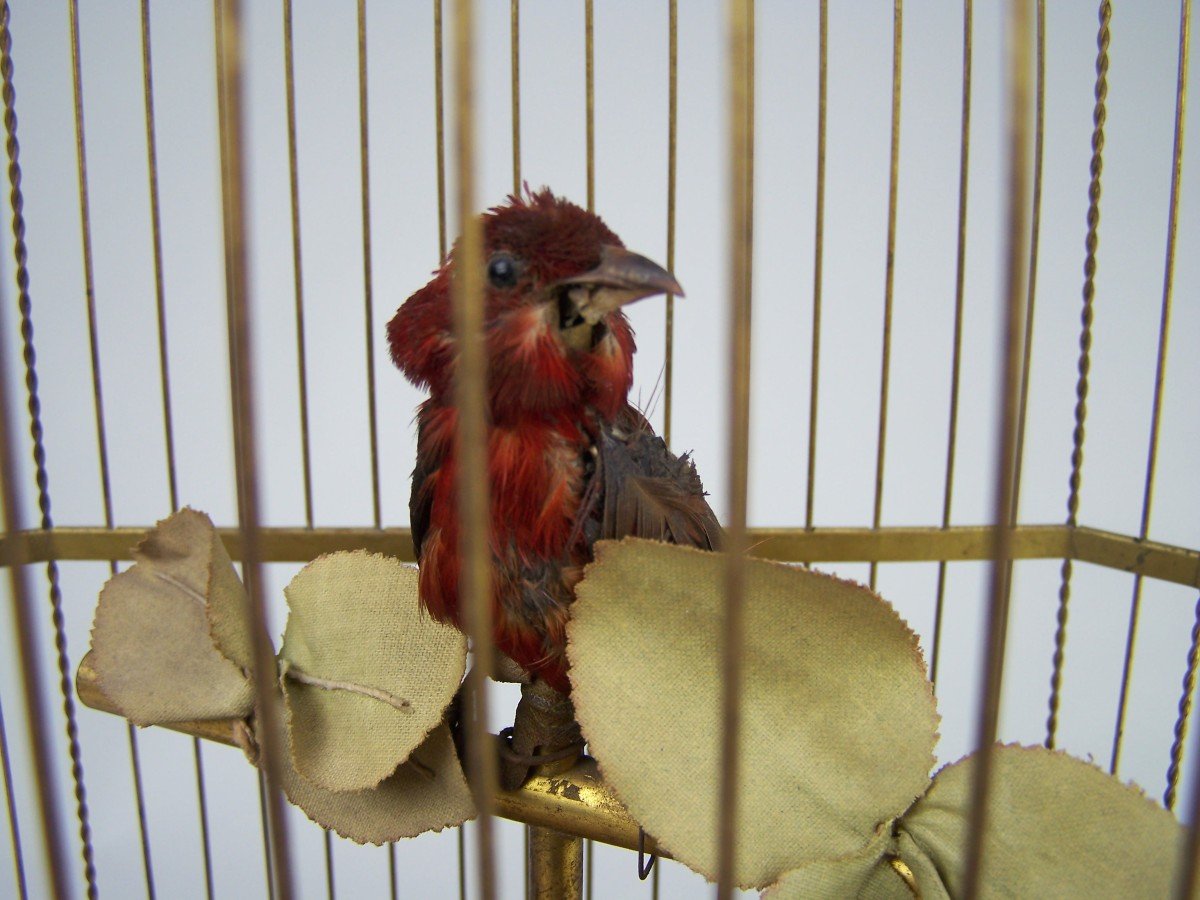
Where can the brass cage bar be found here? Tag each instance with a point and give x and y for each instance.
(958, 543)
(269, 731)
(1018, 107)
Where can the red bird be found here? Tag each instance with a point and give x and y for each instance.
(570, 461)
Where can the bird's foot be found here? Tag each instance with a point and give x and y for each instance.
(544, 733)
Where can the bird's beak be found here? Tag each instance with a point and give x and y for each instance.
(622, 277)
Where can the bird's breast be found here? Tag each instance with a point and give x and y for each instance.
(537, 476)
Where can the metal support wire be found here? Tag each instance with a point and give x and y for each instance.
(34, 404)
(85, 220)
(740, 24)
(818, 260)
(885, 362)
(470, 451)
(268, 731)
(1091, 241)
(1185, 708)
(964, 155)
(589, 55)
(364, 132)
(515, 65)
(1160, 370)
(289, 80)
(672, 166)
(1020, 20)
(165, 382)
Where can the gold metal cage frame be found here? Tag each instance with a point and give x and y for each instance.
(561, 818)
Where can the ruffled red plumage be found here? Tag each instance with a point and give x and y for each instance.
(548, 403)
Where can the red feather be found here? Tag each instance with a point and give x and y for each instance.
(552, 407)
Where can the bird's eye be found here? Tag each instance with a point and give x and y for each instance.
(502, 271)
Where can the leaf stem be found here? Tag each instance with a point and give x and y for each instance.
(288, 670)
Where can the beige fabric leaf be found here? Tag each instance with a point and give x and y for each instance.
(842, 877)
(838, 716)
(366, 674)
(428, 793)
(152, 648)
(1057, 826)
(886, 869)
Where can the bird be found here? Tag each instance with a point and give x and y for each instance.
(570, 461)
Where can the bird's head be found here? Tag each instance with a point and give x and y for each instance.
(555, 280)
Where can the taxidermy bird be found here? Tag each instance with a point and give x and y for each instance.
(570, 461)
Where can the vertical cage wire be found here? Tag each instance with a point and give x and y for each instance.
(34, 406)
(964, 155)
(85, 219)
(289, 81)
(470, 450)
(269, 736)
(1091, 242)
(885, 356)
(741, 236)
(818, 260)
(1019, 24)
(165, 383)
(1160, 369)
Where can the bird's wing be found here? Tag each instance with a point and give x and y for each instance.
(650, 492)
(420, 501)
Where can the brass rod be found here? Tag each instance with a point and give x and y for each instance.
(818, 261)
(1160, 369)
(37, 727)
(885, 362)
(289, 81)
(462, 862)
(556, 865)
(931, 543)
(470, 449)
(960, 269)
(89, 281)
(34, 407)
(289, 73)
(589, 865)
(268, 730)
(589, 53)
(165, 383)
(1084, 365)
(576, 801)
(364, 167)
(514, 11)
(156, 246)
(439, 127)
(672, 171)
(1020, 21)
(1035, 229)
(741, 61)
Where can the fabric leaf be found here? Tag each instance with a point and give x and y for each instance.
(153, 648)
(838, 716)
(427, 793)
(1055, 824)
(365, 674)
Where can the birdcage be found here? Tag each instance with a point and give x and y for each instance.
(962, 230)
